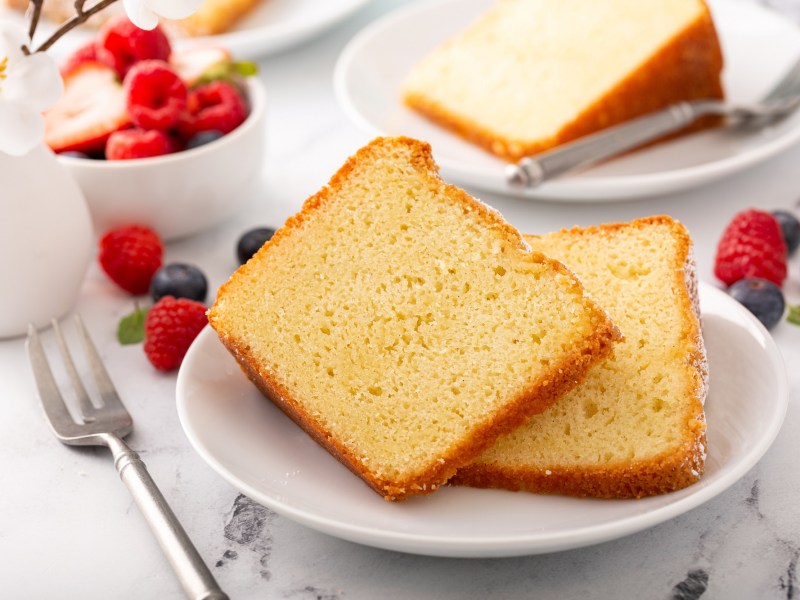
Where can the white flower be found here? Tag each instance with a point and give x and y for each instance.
(29, 84)
(144, 13)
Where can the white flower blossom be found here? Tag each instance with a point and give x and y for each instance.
(145, 13)
(29, 84)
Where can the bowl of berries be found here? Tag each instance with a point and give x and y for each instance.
(167, 138)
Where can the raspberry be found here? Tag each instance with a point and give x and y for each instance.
(86, 53)
(217, 105)
(130, 256)
(170, 328)
(156, 95)
(120, 44)
(751, 246)
(138, 143)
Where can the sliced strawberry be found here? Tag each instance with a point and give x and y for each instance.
(91, 108)
(85, 53)
(192, 64)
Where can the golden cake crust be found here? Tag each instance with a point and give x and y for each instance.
(563, 374)
(687, 67)
(673, 469)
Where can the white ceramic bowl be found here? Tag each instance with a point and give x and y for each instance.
(178, 194)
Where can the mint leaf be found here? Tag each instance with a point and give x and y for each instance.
(794, 314)
(131, 328)
(245, 68)
(229, 71)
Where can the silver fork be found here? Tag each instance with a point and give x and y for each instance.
(106, 426)
(532, 171)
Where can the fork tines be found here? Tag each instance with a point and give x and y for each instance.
(108, 417)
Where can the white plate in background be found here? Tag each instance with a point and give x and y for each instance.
(257, 449)
(280, 24)
(273, 26)
(758, 46)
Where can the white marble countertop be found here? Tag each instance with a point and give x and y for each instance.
(69, 528)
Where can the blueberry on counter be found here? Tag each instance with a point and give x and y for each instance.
(761, 297)
(790, 227)
(179, 280)
(251, 241)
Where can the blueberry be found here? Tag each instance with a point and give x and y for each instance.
(179, 280)
(251, 241)
(203, 138)
(761, 297)
(790, 227)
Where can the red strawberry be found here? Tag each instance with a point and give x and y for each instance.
(193, 63)
(156, 95)
(751, 246)
(86, 53)
(215, 106)
(130, 256)
(120, 44)
(91, 108)
(139, 143)
(170, 328)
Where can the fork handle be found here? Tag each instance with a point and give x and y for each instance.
(196, 579)
(532, 171)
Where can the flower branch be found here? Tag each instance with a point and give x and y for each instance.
(81, 16)
(35, 15)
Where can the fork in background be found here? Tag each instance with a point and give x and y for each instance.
(106, 426)
(531, 171)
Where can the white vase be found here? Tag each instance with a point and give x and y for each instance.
(46, 240)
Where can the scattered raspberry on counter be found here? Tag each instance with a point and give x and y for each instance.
(170, 327)
(752, 260)
(751, 246)
(130, 256)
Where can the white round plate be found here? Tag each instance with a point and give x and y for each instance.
(758, 46)
(256, 448)
(273, 26)
(280, 24)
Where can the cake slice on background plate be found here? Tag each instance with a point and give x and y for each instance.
(212, 18)
(405, 325)
(529, 75)
(636, 426)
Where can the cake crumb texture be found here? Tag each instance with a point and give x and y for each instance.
(529, 75)
(403, 324)
(636, 426)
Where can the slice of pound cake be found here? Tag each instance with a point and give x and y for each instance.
(636, 426)
(403, 324)
(530, 75)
